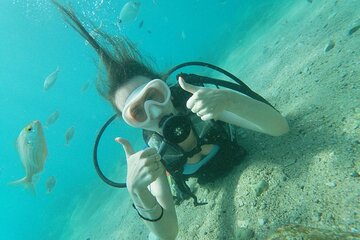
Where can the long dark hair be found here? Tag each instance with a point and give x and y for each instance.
(121, 58)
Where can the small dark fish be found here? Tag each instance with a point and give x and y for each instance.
(50, 184)
(330, 45)
(310, 1)
(69, 134)
(141, 23)
(354, 27)
(149, 31)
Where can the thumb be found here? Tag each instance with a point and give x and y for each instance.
(187, 86)
(126, 145)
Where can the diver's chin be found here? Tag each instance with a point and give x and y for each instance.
(154, 126)
(153, 129)
(157, 125)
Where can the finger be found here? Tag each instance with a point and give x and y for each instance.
(207, 117)
(187, 86)
(202, 112)
(148, 152)
(198, 107)
(153, 175)
(160, 171)
(190, 103)
(149, 160)
(126, 145)
(153, 166)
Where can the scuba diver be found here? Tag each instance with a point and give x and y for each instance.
(188, 127)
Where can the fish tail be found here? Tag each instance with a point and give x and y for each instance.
(26, 182)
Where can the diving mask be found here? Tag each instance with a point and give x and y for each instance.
(147, 104)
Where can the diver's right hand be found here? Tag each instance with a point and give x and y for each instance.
(143, 167)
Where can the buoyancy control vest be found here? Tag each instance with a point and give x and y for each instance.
(218, 133)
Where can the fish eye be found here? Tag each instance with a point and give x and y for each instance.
(29, 129)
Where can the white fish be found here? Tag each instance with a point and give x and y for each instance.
(51, 79)
(31, 145)
(129, 11)
(52, 118)
(69, 134)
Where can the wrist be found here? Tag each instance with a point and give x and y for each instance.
(142, 197)
(151, 209)
(136, 190)
(229, 96)
(147, 214)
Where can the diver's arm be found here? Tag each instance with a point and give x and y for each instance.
(145, 169)
(167, 226)
(249, 113)
(235, 108)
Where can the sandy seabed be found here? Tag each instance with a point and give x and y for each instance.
(310, 174)
(311, 171)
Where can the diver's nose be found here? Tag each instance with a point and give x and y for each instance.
(154, 111)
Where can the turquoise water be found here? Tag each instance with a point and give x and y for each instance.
(34, 42)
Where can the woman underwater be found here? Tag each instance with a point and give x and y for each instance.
(144, 100)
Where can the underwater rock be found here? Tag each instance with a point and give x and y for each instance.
(330, 45)
(262, 221)
(243, 234)
(354, 27)
(261, 187)
(242, 223)
(330, 184)
(192, 185)
(152, 236)
(302, 232)
(354, 174)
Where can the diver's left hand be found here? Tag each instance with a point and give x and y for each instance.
(207, 103)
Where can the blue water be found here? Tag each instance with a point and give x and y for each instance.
(34, 41)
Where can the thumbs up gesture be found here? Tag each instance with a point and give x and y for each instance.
(207, 103)
(143, 167)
